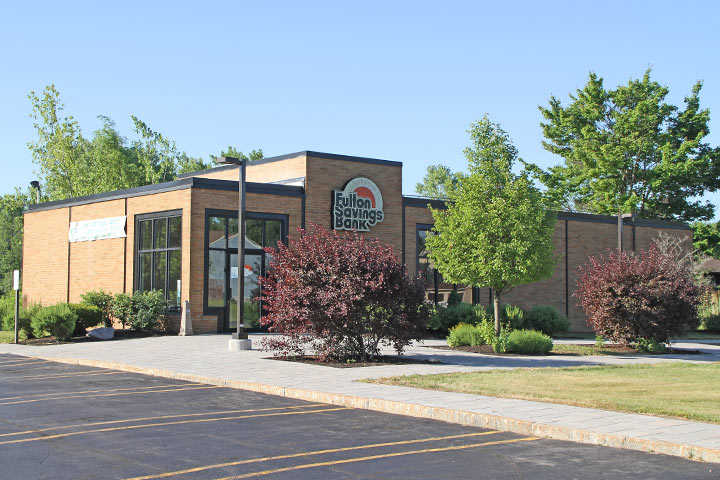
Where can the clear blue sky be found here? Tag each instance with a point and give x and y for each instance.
(393, 80)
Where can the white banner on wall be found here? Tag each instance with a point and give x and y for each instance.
(100, 229)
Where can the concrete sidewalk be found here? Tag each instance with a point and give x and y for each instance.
(206, 359)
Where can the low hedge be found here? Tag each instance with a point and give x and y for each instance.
(58, 320)
(529, 342)
(24, 320)
(546, 319)
(463, 334)
(88, 316)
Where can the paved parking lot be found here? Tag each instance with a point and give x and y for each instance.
(67, 422)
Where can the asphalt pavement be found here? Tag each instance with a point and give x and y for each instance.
(60, 421)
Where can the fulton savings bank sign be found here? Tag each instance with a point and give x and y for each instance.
(358, 206)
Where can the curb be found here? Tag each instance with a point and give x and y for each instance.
(461, 417)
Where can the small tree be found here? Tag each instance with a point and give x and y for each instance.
(341, 295)
(496, 231)
(628, 297)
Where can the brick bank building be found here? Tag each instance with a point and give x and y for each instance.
(181, 236)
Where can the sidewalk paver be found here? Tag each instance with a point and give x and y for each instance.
(205, 358)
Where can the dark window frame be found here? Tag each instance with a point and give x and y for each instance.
(213, 212)
(137, 274)
(436, 278)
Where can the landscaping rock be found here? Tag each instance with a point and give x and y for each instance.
(103, 333)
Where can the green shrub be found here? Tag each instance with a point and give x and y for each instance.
(87, 316)
(57, 320)
(24, 320)
(454, 298)
(147, 308)
(650, 345)
(546, 319)
(464, 334)
(7, 305)
(510, 315)
(102, 300)
(710, 323)
(122, 308)
(445, 318)
(529, 342)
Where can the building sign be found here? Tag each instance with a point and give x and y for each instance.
(358, 206)
(100, 229)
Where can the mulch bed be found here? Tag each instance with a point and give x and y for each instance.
(119, 335)
(382, 360)
(618, 349)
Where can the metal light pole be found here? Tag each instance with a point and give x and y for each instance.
(239, 340)
(621, 220)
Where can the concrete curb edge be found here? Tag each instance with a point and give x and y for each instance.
(449, 415)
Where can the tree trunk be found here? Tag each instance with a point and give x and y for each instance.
(496, 308)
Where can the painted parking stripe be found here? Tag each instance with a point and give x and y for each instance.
(61, 375)
(24, 363)
(174, 389)
(377, 457)
(49, 394)
(164, 424)
(306, 454)
(161, 417)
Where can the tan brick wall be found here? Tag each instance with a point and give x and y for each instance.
(45, 256)
(226, 200)
(326, 175)
(265, 172)
(94, 264)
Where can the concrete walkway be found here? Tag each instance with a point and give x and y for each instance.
(206, 359)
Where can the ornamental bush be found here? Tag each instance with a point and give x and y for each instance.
(653, 295)
(340, 295)
(57, 320)
(24, 320)
(529, 342)
(546, 319)
(512, 316)
(463, 334)
(147, 308)
(87, 316)
(444, 318)
(102, 300)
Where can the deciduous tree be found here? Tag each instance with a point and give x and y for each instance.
(496, 231)
(628, 150)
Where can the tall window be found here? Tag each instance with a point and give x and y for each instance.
(158, 253)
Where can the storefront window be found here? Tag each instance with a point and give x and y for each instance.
(435, 288)
(158, 253)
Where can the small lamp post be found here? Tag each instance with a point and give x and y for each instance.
(36, 185)
(239, 340)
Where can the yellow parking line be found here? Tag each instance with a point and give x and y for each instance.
(23, 363)
(2, 399)
(62, 375)
(306, 454)
(108, 394)
(144, 419)
(182, 422)
(376, 457)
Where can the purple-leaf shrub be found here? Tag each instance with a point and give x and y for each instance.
(628, 297)
(341, 296)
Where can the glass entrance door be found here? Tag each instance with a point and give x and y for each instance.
(253, 269)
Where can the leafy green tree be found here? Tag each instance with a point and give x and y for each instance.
(60, 148)
(157, 154)
(706, 239)
(497, 230)
(438, 182)
(12, 206)
(231, 151)
(628, 150)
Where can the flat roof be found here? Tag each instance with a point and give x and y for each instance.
(191, 182)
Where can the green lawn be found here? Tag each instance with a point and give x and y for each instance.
(683, 390)
(9, 337)
(696, 335)
(564, 349)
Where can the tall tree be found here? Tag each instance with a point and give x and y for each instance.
(12, 206)
(706, 239)
(628, 150)
(438, 182)
(497, 230)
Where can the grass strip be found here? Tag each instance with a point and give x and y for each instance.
(681, 390)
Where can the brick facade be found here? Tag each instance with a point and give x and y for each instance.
(55, 270)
